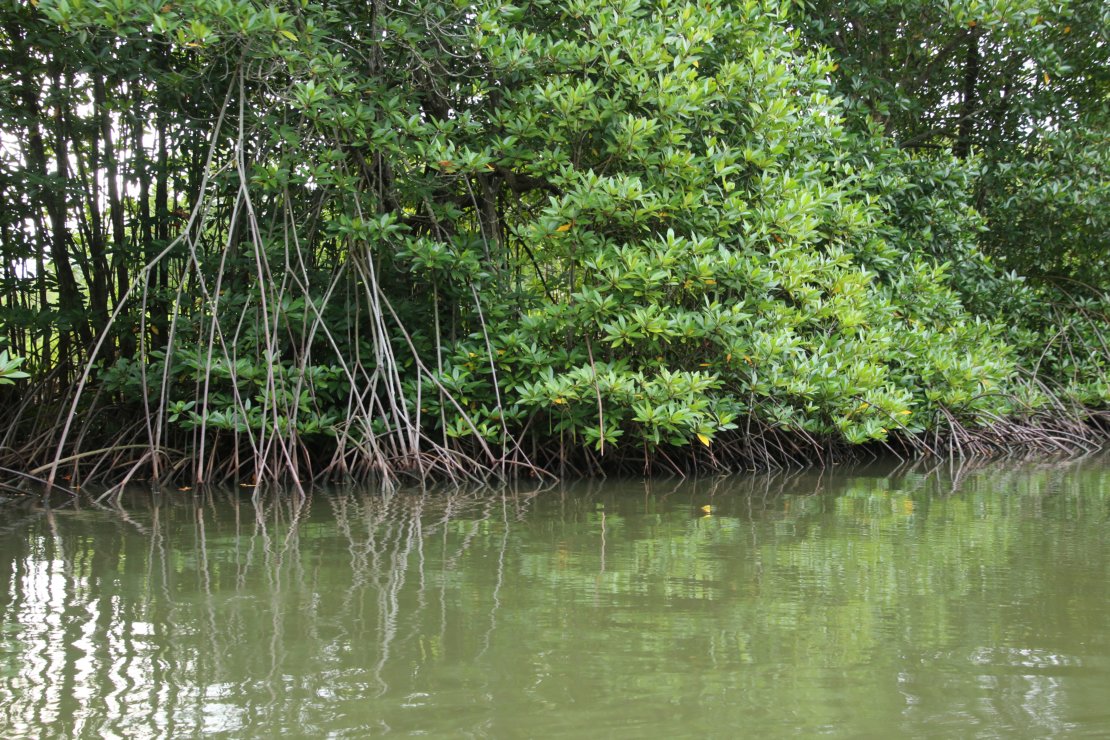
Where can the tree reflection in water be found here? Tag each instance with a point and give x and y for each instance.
(872, 601)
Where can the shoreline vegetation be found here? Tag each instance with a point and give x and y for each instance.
(279, 243)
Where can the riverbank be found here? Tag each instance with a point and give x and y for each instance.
(755, 447)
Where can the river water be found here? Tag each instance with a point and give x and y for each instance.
(958, 601)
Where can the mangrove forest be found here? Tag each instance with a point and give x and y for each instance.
(276, 242)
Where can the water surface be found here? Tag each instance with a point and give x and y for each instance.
(965, 601)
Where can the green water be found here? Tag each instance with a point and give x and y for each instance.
(959, 602)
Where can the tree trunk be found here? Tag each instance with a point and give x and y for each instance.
(966, 127)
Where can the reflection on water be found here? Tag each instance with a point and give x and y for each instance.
(963, 601)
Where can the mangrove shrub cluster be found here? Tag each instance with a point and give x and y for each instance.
(445, 236)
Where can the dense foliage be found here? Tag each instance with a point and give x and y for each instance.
(326, 239)
(1004, 107)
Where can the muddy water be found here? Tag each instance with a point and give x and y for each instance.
(958, 601)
